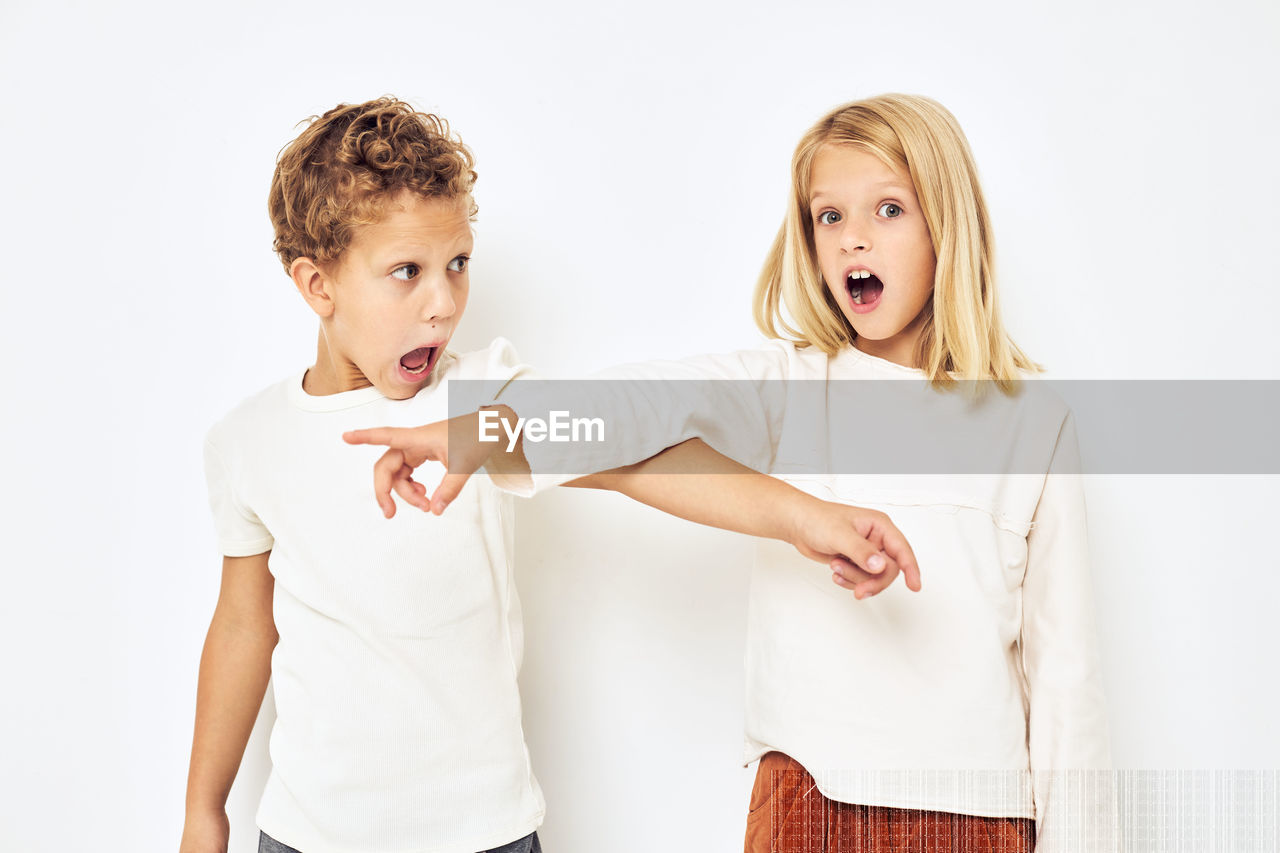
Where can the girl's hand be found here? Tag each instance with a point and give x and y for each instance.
(864, 549)
(454, 443)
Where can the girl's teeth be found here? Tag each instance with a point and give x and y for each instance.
(855, 287)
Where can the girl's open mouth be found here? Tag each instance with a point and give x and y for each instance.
(864, 289)
(418, 362)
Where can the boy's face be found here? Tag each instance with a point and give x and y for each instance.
(397, 294)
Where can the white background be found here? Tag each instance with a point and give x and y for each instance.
(633, 165)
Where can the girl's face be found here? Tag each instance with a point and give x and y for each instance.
(873, 249)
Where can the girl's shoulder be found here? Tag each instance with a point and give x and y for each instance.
(497, 361)
(467, 381)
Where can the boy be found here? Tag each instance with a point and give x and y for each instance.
(398, 715)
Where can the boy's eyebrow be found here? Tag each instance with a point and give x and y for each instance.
(414, 243)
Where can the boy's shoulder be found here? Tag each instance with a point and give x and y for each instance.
(255, 409)
(482, 372)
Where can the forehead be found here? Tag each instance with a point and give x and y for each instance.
(410, 221)
(839, 169)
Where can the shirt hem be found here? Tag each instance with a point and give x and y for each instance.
(307, 844)
(869, 796)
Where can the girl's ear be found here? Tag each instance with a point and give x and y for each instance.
(316, 287)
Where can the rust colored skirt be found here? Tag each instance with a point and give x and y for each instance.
(790, 815)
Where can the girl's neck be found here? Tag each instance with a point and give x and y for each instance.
(898, 352)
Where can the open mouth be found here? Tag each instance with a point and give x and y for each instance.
(864, 287)
(419, 361)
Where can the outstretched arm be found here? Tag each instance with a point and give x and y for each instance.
(862, 546)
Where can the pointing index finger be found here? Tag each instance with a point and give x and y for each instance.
(386, 436)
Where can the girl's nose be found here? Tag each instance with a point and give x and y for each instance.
(854, 236)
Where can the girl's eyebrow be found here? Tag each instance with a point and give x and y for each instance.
(880, 187)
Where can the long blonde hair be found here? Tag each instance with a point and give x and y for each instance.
(963, 337)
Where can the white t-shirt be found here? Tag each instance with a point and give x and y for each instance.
(981, 694)
(398, 715)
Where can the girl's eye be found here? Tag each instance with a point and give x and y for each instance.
(828, 217)
(408, 272)
(459, 264)
(890, 210)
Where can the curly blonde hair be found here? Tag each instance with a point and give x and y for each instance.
(346, 165)
(964, 336)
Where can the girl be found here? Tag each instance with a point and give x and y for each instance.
(969, 716)
(884, 262)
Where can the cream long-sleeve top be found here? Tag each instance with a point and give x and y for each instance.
(981, 694)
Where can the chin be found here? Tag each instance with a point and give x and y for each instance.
(400, 391)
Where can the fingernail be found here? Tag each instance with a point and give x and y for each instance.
(876, 563)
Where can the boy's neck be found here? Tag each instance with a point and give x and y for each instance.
(332, 374)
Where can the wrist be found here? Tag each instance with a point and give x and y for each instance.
(205, 831)
(798, 509)
(202, 805)
(498, 423)
(506, 455)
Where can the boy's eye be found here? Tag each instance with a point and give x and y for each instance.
(890, 210)
(459, 264)
(828, 217)
(408, 272)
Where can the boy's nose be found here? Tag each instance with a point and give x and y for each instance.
(438, 302)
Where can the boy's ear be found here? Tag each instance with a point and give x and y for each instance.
(316, 287)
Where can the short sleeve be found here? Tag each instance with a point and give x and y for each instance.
(240, 533)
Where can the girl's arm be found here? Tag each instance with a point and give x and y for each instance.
(234, 670)
(734, 401)
(690, 480)
(694, 482)
(1073, 784)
